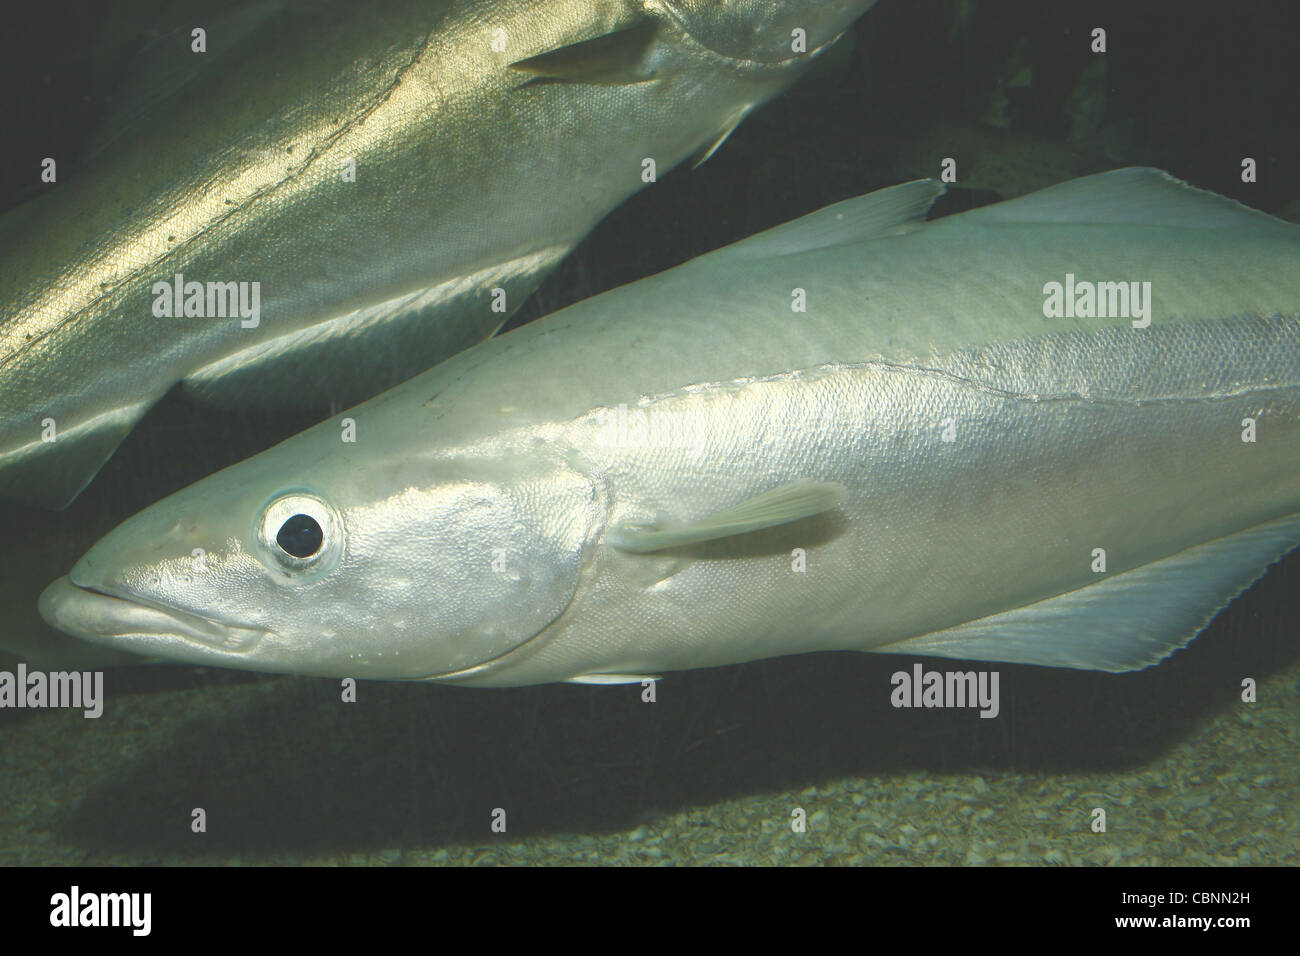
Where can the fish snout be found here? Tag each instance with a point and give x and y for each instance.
(141, 628)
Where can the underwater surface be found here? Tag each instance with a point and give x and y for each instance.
(1186, 771)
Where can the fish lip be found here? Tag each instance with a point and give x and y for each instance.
(137, 624)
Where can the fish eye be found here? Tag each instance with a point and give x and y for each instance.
(300, 533)
(300, 536)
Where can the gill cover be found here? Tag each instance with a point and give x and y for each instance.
(428, 579)
(480, 568)
(763, 31)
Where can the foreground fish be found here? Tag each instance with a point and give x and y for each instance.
(945, 454)
(279, 228)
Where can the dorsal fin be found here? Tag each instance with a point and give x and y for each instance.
(885, 212)
(1135, 196)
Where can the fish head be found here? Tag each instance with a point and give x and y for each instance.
(765, 32)
(392, 567)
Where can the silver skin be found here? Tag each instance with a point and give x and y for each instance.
(477, 167)
(467, 530)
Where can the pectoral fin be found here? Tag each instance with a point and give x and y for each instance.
(701, 155)
(612, 59)
(1124, 622)
(799, 499)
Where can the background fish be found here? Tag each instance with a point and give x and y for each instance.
(854, 431)
(486, 137)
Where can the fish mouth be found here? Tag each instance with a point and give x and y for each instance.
(129, 623)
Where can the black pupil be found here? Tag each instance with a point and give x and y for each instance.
(300, 536)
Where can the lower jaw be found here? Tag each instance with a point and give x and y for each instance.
(124, 624)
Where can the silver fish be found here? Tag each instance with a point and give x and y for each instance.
(1061, 430)
(333, 197)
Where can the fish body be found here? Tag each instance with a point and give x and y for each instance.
(856, 431)
(342, 195)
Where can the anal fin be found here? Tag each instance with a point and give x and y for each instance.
(1125, 622)
(51, 474)
(351, 357)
